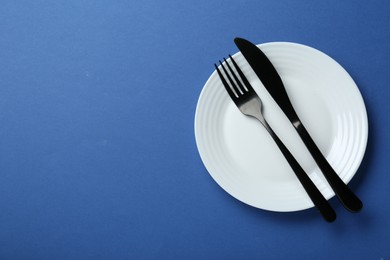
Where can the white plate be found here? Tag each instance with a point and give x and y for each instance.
(241, 156)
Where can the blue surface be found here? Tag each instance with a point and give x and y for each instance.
(97, 151)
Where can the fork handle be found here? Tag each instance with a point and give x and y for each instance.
(315, 195)
(344, 194)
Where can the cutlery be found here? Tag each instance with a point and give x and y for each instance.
(249, 103)
(271, 80)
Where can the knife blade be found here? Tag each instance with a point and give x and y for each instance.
(272, 81)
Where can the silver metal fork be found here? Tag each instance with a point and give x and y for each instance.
(249, 103)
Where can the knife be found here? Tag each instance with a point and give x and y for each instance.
(271, 80)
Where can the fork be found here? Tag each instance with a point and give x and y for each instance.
(249, 103)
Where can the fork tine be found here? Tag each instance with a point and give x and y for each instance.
(232, 95)
(233, 84)
(242, 76)
(240, 86)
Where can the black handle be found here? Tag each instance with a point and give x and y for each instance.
(344, 194)
(315, 195)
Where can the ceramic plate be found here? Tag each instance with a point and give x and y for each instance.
(241, 156)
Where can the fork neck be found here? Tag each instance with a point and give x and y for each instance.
(253, 108)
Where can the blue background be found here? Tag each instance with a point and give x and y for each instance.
(97, 151)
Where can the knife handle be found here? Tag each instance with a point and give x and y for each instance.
(315, 195)
(349, 200)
